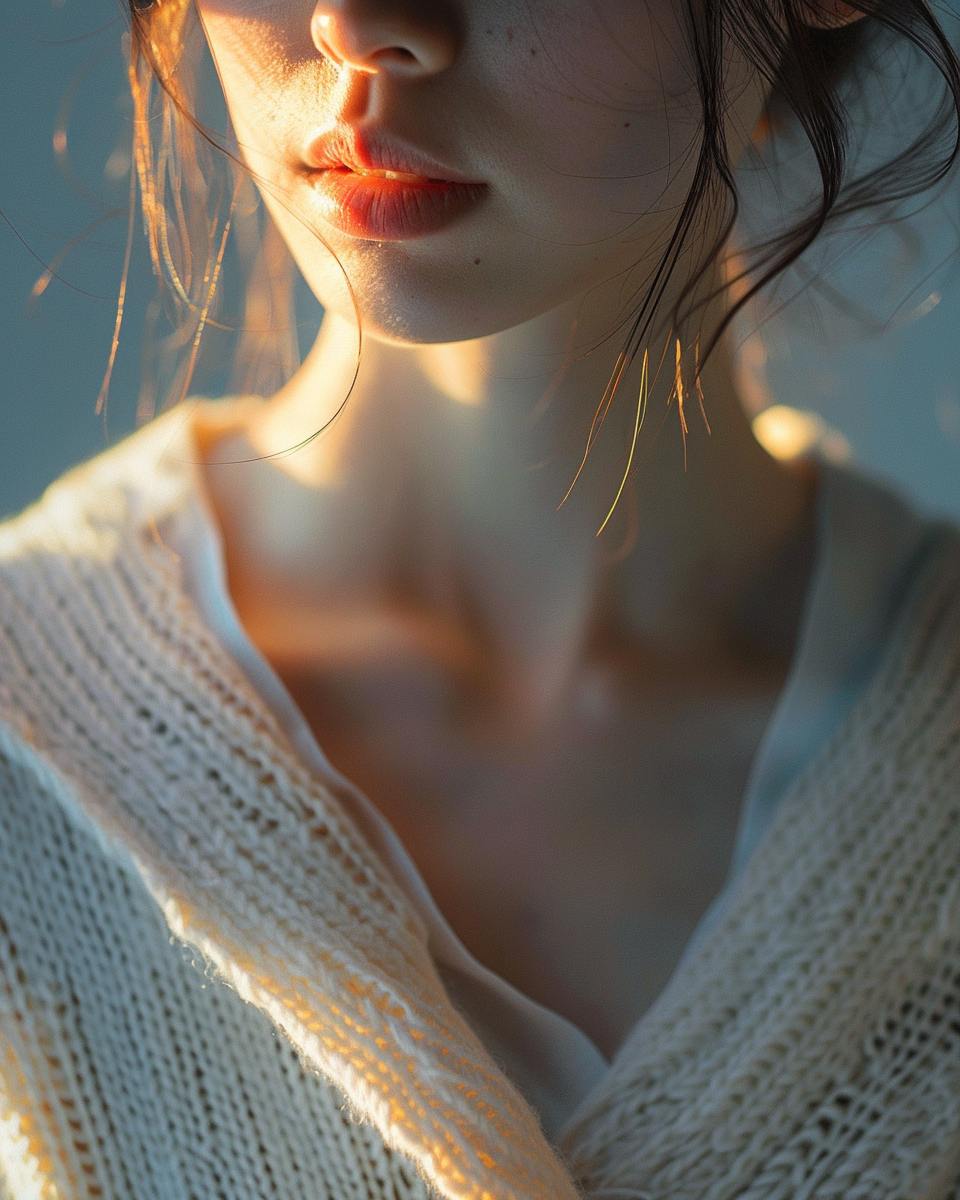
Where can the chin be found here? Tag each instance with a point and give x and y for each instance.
(420, 320)
(414, 303)
(464, 283)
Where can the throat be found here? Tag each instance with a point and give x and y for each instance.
(560, 734)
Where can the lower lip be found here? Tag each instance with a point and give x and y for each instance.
(391, 210)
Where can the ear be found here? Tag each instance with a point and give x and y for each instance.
(830, 14)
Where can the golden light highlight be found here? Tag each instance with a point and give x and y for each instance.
(637, 426)
(26, 1164)
(162, 165)
(788, 433)
(197, 196)
(21, 1170)
(188, 194)
(460, 381)
(678, 388)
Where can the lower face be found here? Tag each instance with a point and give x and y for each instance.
(560, 137)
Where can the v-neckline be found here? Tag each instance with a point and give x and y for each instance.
(548, 1057)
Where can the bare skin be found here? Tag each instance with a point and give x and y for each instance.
(560, 733)
(560, 741)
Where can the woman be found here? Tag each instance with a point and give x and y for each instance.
(724, 731)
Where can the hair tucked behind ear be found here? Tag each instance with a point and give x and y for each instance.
(805, 67)
(190, 201)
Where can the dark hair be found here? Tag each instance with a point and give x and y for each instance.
(804, 65)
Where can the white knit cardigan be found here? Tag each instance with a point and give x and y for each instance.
(210, 985)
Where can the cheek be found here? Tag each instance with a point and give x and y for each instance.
(599, 115)
(260, 50)
(597, 178)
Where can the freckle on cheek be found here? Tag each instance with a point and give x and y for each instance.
(476, 262)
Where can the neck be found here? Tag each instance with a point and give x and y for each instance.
(489, 433)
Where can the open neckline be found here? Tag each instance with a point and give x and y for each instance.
(550, 1059)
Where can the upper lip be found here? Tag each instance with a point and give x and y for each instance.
(367, 150)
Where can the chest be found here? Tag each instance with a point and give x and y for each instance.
(576, 858)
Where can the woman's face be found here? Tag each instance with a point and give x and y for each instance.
(531, 147)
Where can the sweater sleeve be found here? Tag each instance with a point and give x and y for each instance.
(37, 1156)
(22, 1173)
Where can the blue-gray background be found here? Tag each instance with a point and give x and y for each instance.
(895, 395)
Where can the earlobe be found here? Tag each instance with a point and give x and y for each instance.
(830, 14)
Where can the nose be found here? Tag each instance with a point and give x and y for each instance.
(401, 37)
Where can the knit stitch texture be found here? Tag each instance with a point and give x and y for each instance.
(210, 986)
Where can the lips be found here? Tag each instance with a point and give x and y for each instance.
(370, 188)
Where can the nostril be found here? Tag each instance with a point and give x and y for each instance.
(384, 35)
(397, 56)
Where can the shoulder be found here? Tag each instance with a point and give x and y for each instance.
(142, 477)
(63, 562)
(897, 571)
(100, 642)
(879, 554)
(101, 539)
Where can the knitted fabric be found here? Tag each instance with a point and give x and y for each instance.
(159, 741)
(811, 1047)
(210, 986)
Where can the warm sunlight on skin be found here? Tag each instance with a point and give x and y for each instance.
(579, 121)
(517, 695)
